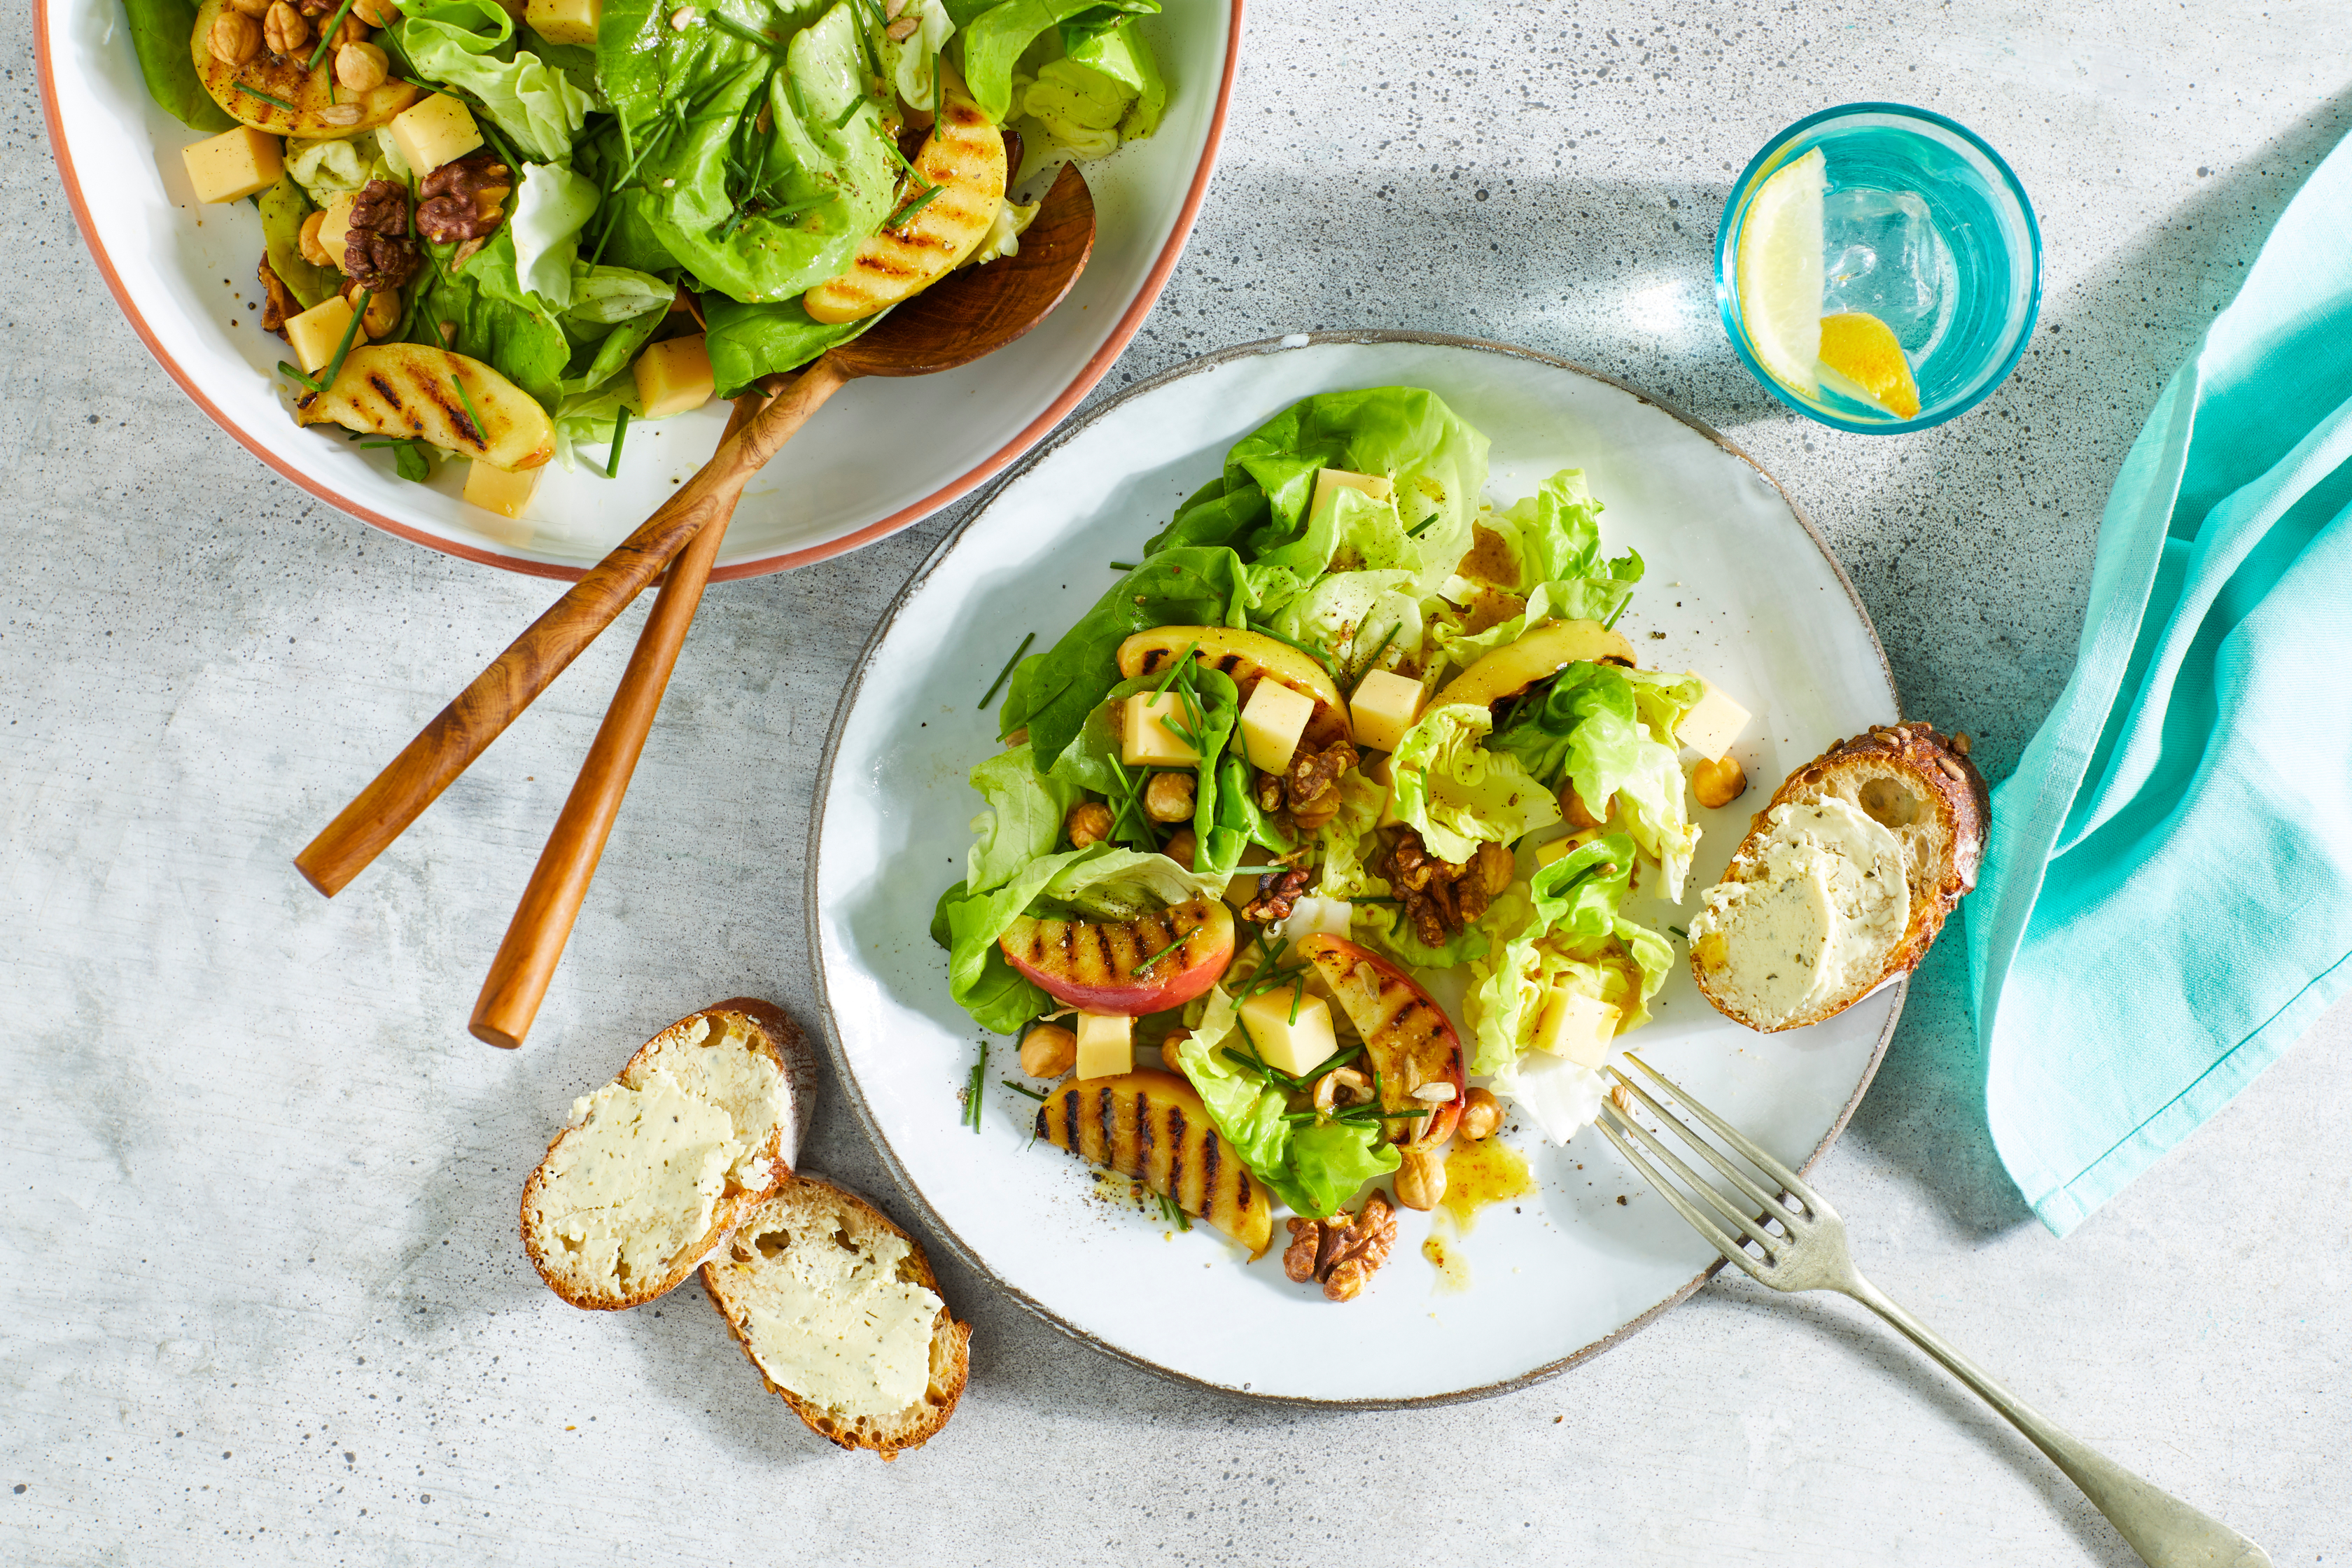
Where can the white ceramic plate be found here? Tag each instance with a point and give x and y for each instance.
(881, 456)
(1739, 588)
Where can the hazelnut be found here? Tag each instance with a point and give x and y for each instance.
(1719, 782)
(1181, 848)
(255, 9)
(359, 66)
(1090, 822)
(1481, 1115)
(312, 251)
(352, 31)
(1168, 798)
(1421, 1178)
(1048, 1051)
(1168, 1050)
(1579, 814)
(382, 311)
(283, 29)
(337, 114)
(374, 13)
(235, 38)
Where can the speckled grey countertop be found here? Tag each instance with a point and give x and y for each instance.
(264, 1299)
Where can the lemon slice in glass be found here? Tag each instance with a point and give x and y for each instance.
(1861, 358)
(1778, 261)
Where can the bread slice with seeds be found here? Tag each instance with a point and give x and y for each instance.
(1844, 880)
(838, 1311)
(703, 1122)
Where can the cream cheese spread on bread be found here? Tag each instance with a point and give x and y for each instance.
(640, 1175)
(1808, 916)
(841, 1327)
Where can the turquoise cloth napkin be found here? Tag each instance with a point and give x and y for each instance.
(2165, 901)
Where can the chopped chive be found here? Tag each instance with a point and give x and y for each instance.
(481, 431)
(1680, 932)
(1018, 1088)
(613, 453)
(326, 34)
(1162, 952)
(256, 92)
(727, 24)
(1175, 666)
(1374, 662)
(286, 369)
(351, 330)
(906, 215)
(1620, 610)
(1125, 566)
(1317, 654)
(1007, 670)
(850, 113)
(971, 1103)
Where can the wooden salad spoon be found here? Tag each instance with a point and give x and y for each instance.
(947, 326)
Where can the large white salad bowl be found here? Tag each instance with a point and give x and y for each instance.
(1739, 588)
(880, 457)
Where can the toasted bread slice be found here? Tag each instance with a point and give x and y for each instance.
(658, 1166)
(839, 1312)
(1907, 784)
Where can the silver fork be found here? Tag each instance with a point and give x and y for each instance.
(1808, 1252)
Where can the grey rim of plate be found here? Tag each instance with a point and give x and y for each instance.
(937, 1226)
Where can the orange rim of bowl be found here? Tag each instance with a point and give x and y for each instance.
(955, 489)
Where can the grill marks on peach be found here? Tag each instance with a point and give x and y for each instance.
(1151, 1127)
(1095, 952)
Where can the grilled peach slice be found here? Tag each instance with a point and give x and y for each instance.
(1406, 1034)
(965, 163)
(1150, 1125)
(1147, 964)
(1249, 657)
(308, 102)
(1538, 655)
(412, 391)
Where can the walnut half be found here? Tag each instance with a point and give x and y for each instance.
(1341, 1253)
(377, 252)
(460, 200)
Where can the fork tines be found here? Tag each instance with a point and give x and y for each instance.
(1620, 1128)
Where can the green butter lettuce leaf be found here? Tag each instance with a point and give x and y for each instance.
(470, 45)
(747, 341)
(1024, 819)
(551, 208)
(160, 31)
(283, 209)
(996, 37)
(1568, 932)
(1610, 733)
(326, 169)
(1108, 883)
(1456, 793)
(1437, 463)
(1052, 693)
(748, 173)
(1313, 1167)
(1119, 53)
(1554, 535)
(489, 316)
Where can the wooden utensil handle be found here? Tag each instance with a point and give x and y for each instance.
(542, 921)
(446, 747)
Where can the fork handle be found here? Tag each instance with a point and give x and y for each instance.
(2164, 1531)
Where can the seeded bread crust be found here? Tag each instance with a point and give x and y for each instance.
(773, 1034)
(804, 1200)
(1921, 786)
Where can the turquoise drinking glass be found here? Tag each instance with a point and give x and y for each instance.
(1924, 226)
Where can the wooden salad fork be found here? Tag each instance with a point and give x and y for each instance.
(1802, 1247)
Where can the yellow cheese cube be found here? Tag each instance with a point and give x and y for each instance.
(234, 164)
(317, 332)
(1577, 1027)
(1146, 741)
(1330, 482)
(1710, 728)
(1272, 721)
(674, 376)
(1383, 709)
(335, 227)
(1106, 1044)
(438, 131)
(1560, 848)
(1293, 1040)
(497, 491)
(564, 21)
